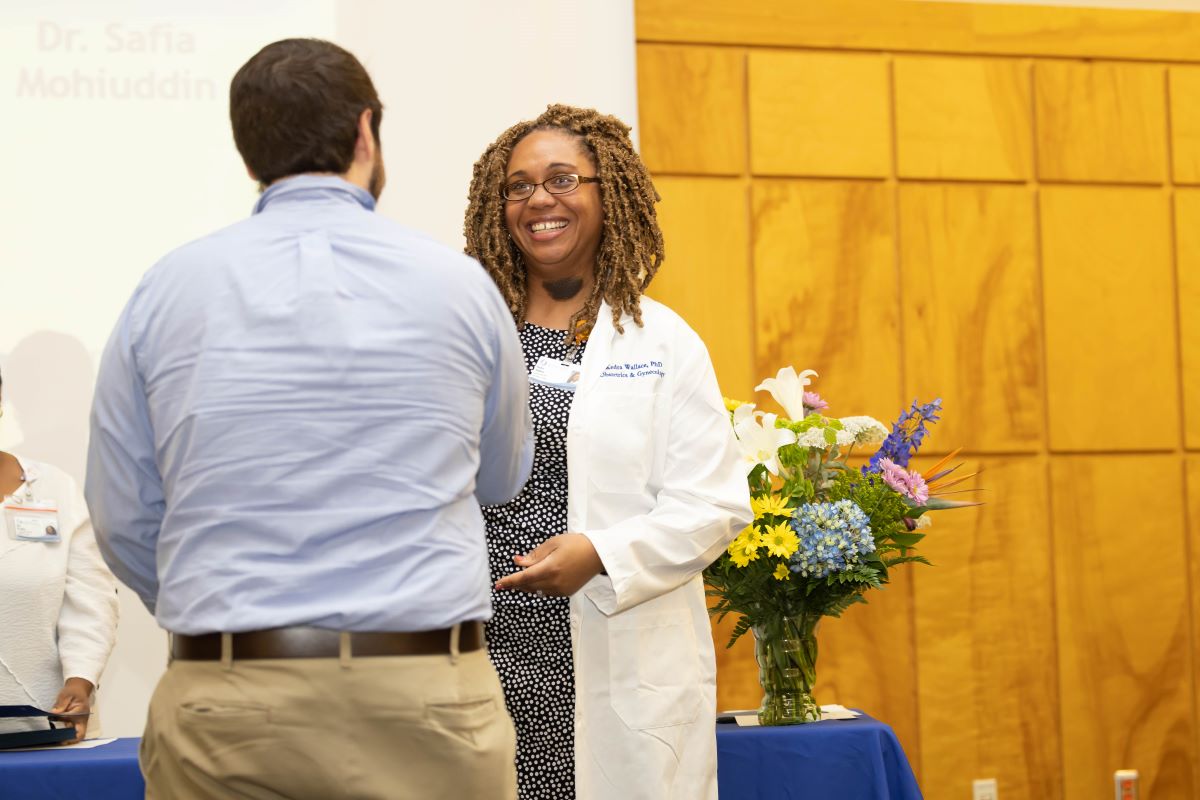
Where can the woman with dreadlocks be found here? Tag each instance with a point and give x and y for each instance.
(600, 631)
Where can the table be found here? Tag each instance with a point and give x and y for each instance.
(854, 759)
(857, 759)
(107, 772)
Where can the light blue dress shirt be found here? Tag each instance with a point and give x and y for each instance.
(296, 418)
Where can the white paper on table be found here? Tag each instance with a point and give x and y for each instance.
(748, 718)
(86, 744)
(743, 717)
(834, 711)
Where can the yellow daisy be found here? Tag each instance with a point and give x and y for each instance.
(744, 548)
(780, 540)
(782, 573)
(769, 505)
(754, 539)
(748, 537)
(731, 404)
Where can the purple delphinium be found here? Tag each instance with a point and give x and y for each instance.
(907, 434)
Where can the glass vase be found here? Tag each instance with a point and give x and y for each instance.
(786, 650)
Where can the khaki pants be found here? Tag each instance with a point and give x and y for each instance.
(393, 728)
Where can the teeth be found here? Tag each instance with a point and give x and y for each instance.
(547, 226)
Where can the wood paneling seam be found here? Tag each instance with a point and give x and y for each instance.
(1099, 59)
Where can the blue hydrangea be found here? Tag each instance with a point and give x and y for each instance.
(907, 434)
(833, 538)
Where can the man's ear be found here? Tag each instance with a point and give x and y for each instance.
(365, 145)
(250, 172)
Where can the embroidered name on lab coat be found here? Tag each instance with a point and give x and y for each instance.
(644, 369)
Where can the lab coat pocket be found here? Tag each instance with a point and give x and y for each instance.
(621, 441)
(655, 673)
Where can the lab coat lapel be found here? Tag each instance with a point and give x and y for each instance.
(599, 349)
(595, 359)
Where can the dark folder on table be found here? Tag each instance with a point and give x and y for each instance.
(35, 738)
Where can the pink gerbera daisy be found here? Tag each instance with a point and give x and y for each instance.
(909, 484)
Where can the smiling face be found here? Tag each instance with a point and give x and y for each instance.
(559, 234)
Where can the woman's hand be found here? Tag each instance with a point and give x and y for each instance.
(75, 698)
(559, 566)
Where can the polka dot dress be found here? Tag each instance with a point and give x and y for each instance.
(529, 637)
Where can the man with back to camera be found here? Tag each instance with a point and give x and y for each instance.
(294, 422)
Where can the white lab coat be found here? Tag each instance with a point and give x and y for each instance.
(656, 485)
(58, 602)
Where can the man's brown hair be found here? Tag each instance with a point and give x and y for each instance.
(295, 107)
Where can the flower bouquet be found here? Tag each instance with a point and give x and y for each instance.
(824, 532)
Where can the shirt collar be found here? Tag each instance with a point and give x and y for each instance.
(32, 471)
(310, 188)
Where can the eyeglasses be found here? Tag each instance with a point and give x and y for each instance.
(555, 184)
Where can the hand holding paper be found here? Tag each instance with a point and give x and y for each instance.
(75, 701)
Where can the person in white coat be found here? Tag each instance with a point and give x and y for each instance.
(59, 601)
(600, 630)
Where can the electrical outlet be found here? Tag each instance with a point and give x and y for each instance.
(985, 789)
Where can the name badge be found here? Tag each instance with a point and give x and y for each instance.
(558, 374)
(31, 521)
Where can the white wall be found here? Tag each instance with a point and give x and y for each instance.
(98, 187)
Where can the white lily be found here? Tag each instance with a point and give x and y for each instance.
(788, 389)
(742, 413)
(759, 440)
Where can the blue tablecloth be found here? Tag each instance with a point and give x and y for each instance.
(857, 759)
(107, 772)
(839, 760)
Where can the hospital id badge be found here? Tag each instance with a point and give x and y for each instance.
(30, 521)
(558, 374)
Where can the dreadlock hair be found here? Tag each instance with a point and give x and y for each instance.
(631, 243)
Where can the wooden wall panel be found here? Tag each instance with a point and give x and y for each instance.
(1125, 661)
(1192, 500)
(1187, 239)
(737, 671)
(1185, 123)
(909, 235)
(925, 27)
(701, 90)
(829, 112)
(963, 118)
(972, 323)
(1110, 337)
(825, 290)
(1101, 122)
(706, 278)
(985, 640)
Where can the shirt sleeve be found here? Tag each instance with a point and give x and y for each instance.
(87, 621)
(506, 441)
(704, 500)
(124, 489)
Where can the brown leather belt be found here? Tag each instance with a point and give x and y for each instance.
(324, 643)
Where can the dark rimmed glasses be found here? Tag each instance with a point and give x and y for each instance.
(555, 184)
